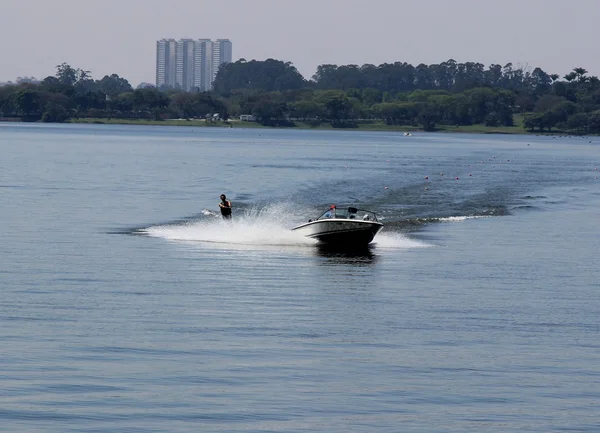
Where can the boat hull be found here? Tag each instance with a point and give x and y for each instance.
(341, 232)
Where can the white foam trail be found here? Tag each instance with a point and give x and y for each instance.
(397, 241)
(455, 219)
(268, 226)
(262, 227)
(237, 232)
(207, 212)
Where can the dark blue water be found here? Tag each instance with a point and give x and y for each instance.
(125, 306)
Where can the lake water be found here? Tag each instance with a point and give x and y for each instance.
(126, 306)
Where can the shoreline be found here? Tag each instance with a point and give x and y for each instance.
(362, 127)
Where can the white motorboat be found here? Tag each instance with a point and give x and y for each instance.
(346, 227)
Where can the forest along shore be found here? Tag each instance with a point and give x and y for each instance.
(358, 126)
(450, 96)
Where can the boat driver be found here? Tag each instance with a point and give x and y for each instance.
(331, 212)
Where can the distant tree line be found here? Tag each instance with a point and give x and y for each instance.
(448, 93)
(275, 93)
(72, 93)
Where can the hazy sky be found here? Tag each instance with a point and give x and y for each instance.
(119, 36)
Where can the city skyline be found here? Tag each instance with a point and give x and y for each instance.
(95, 38)
(190, 64)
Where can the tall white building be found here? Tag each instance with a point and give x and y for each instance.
(185, 64)
(166, 67)
(203, 65)
(191, 65)
(221, 53)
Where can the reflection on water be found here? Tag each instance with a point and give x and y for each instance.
(360, 256)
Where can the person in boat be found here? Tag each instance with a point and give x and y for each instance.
(225, 207)
(331, 212)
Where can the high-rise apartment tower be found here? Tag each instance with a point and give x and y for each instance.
(221, 53)
(189, 64)
(166, 67)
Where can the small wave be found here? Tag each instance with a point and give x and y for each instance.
(397, 241)
(415, 223)
(454, 219)
(526, 207)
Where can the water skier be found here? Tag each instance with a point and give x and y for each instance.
(225, 207)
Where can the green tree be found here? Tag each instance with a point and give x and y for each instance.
(113, 85)
(562, 111)
(56, 111)
(481, 101)
(306, 110)
(270, 113)
(28, 103)
(571, 76)
(371, 96)
(54, 85)
(394, 113)
(337, 108)
(534, 121)
(580, 74)
(430, 114)
(67, 75)
(7, 101)
(579, 123)
(541, 82)
(150, 103)
(594, 122)
(269, 75)
(547, 102)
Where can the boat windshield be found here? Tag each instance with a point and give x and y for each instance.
(349, 213)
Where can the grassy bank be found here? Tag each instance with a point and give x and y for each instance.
(175, 122)
(361, 126)
(517, 128)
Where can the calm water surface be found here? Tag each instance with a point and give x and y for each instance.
(126, 306)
